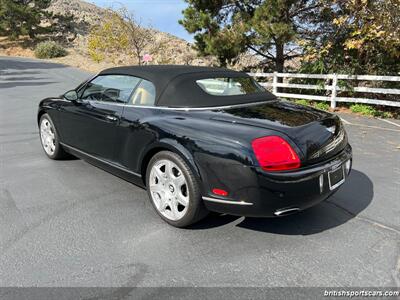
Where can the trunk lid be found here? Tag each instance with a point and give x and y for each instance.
(318, 134)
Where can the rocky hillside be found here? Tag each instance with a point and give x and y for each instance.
(174, 50)
(82, 11)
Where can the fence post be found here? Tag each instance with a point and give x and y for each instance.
(274, 83)
(334, 91)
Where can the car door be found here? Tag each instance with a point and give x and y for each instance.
(134, 133)
(90, 124)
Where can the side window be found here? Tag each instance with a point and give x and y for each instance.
(110, 88)
(145, 94)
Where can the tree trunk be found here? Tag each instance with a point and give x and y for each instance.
(139, 56)
(279, 61)
(14, 31)
(31, 34)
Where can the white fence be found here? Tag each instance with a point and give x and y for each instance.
(331, 85)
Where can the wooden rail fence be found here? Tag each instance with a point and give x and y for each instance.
(331, 85)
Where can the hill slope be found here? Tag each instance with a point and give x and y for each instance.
(166, 48)
(80, 9)
(174, 50)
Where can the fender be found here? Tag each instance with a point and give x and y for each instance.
(47, 105)
(41, 111)
(171, 145)
(43, 107)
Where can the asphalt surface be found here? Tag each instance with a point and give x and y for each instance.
(68, 223)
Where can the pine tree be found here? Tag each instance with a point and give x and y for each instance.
(349, 36)
(270, 28)
(23, 17)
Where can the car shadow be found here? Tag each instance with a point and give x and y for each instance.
(68, 157)
(351, 199)
(7, 73)
(23, 64)
(13, 84)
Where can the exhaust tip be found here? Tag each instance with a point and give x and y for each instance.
(286, 211)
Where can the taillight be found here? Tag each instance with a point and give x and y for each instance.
(275, 154)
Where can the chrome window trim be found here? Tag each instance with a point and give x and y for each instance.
(184, 108)
(226, 201)
(84, 84)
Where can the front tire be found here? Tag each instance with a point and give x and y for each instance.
(174, 190)
(50, 139)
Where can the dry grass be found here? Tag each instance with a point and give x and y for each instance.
(84, 62)
(23, 47)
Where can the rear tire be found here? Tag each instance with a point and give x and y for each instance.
(50, 139)
(174, 190)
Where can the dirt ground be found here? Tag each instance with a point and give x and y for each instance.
(75, 58)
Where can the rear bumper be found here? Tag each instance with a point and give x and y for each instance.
(253, 192)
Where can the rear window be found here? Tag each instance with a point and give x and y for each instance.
(230, 86)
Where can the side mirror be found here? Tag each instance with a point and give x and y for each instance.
(71, 95)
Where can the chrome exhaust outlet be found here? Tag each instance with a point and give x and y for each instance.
(286, 211)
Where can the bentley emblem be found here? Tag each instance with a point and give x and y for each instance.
(331, 129)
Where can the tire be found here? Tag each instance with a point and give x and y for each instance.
(175, 195)
(49, 139)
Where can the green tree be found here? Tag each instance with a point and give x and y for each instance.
(361, 36)
(269, 28)
(21, 17)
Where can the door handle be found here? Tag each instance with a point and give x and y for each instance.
(111, 118)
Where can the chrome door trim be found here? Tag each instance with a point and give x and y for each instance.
(101, 160)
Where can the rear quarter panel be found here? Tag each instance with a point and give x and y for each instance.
(213, 149)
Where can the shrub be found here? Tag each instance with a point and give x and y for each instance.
(302, 102)
(322, 105)
(364, 109)
(387, 115)
(49, 49)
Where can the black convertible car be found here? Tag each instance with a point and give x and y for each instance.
(199, 139)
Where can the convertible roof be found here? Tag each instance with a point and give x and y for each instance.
(176, 85)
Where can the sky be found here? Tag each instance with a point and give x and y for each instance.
(160, 14)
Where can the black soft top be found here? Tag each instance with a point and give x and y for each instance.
(176, 85)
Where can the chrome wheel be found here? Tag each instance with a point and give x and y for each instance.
(169, 189)
(47, 136)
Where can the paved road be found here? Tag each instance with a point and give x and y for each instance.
(67, 223)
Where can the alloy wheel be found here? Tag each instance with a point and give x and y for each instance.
(47, 136)
(169, 190)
